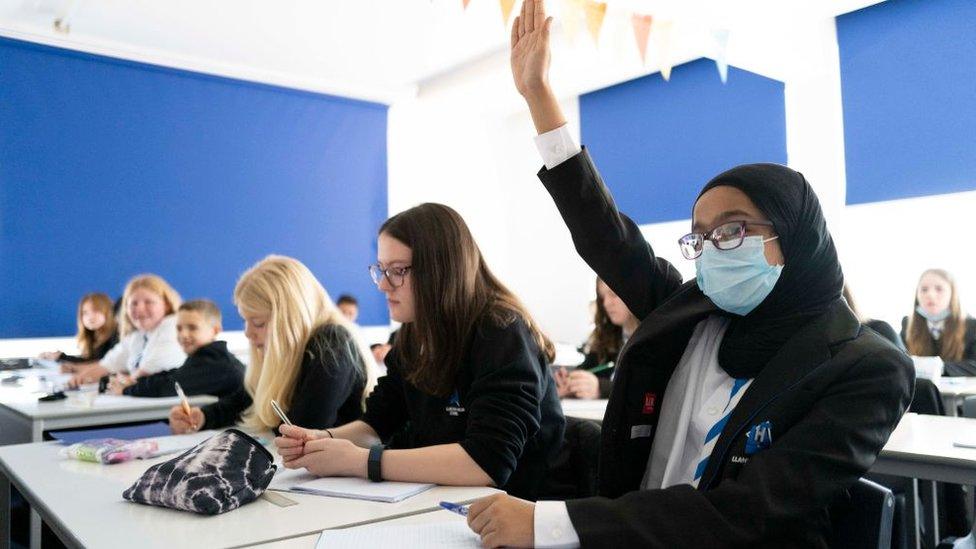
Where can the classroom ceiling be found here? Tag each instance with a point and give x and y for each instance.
(371, 49)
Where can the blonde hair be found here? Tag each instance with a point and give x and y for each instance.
(89, 340)
(919, 340)
(156, 285)
(296, 304)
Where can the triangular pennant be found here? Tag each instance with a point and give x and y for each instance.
(465, 3)
(507, 6)
(721, 38)
(572, 18)
(642, 28)
(595, 12)
(662, 40)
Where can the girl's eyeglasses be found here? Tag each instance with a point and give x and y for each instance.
(394, 275)
(727, 236)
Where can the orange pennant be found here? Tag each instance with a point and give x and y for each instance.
(507, 6)
(642, 28)
(465, 3)
(595, 12)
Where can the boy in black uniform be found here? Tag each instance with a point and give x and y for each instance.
(210, 369)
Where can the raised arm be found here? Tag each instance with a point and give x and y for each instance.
(608, 241)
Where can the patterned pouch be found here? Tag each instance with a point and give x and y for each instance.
(218, 475)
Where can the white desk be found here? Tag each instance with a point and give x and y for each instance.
(921, 448)
(308, 542)
(24, 419)
(954, 390)
(82, 502)
(585, 409)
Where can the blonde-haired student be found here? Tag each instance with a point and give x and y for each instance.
(304, 355)
(97, 331)
(147, 330)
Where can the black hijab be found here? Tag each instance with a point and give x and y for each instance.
(811, 279)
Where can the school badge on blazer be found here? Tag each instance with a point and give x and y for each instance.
(454, 407)
(759, 437)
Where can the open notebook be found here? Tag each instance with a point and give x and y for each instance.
(346, 487)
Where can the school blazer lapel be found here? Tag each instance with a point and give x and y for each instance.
(799, 357)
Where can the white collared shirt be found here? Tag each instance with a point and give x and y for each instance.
(154, 351)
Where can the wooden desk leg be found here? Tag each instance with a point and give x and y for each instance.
(5, 512)
(911, 499)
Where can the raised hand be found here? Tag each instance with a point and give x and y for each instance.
(530, 49)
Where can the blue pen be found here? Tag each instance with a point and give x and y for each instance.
(455, 508)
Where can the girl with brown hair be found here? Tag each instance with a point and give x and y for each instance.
(97, 330)
(937, 326)
(468, 398)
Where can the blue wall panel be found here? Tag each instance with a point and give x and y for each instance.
(908, 73)
(110, 168)
(657, 143)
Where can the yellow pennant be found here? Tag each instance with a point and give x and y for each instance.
(595, 12)
(642, 28)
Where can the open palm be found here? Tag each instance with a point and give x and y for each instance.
(530, 48)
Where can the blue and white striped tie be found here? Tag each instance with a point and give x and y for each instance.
(712, 436)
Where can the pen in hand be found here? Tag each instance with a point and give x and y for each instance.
(184, 403)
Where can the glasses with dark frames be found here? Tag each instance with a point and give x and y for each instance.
(394, 275)
(727, 236)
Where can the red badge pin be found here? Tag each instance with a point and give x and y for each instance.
(649, 400)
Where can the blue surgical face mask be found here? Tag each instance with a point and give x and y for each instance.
(737, 280)
(937, 317)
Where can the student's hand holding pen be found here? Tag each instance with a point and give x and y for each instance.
(291, 444)
(181, 422)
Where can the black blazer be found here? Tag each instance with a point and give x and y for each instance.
(96, 354)
(966, 366)
(832, 396)
(505, 412)
(210, 370)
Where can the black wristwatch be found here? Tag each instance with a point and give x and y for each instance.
(373, 470)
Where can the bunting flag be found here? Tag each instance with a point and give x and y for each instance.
(595, 12)
(507, 6)
(465, 3)
(721, 38)
(642, 28)
(662, 40)
(572, 18)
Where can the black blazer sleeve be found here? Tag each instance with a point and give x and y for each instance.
(97, 354)
(504, 399)
(836, 441)
(206, 372)
(226, 411)
(609, 242)
(386, 406)
(967, 365)
(329, 375)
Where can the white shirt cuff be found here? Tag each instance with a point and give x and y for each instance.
(556, 146)
(553, 529)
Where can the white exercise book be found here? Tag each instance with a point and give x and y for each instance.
(346, 487)
(448, 534)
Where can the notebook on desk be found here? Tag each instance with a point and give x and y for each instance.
(346, 487)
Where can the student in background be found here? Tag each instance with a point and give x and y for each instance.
(349, 307)
(883, 328)
(613, 323)
(148, 333)
(749, 399)
(938, 327)
(468, 398)
(97, 332)
(210, 369)
(304, 355)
